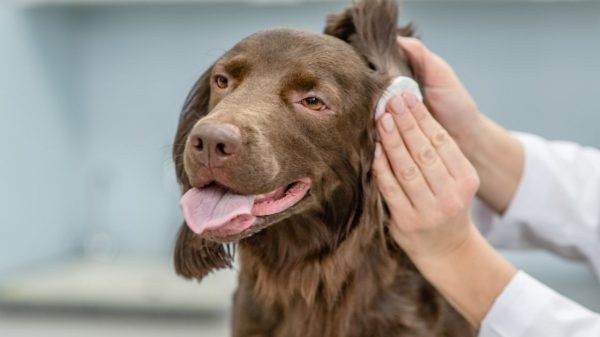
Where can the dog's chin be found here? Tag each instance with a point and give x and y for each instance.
(268, 209)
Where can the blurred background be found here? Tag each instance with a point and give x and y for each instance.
(90, 93)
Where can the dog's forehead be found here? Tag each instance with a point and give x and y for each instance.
(288, 47)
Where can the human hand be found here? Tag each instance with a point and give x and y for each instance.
(495, 153)
(425, 180)
(445, 96)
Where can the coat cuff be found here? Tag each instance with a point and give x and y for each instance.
(517, 308)
(526, 308)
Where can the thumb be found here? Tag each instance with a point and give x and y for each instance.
(429, 68)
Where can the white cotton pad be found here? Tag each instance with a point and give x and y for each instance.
(399, 85)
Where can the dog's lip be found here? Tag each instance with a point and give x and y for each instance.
(258, 220)
(281, 198)
(263, 197)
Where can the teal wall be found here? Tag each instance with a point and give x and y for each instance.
(36, 144)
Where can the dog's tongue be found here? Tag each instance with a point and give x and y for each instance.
(213, 207)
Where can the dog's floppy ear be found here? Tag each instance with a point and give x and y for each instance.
(194, 108)
(370, 26)
(194, 256)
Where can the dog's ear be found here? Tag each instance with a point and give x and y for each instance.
(195, 257)
(370, 26)
(194, 108)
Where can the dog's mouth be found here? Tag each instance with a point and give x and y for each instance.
(218, 212)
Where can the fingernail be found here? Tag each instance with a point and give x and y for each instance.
(397, 105)
(410, 99)
(388, 122)
(377, 150)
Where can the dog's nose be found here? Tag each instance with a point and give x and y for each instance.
(214, 144)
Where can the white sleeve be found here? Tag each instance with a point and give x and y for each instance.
(527, 308)
(556, 205)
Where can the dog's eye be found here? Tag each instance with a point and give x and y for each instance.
(313, 103)
(221, 81)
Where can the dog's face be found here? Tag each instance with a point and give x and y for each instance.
(287, 111)
(277, 139)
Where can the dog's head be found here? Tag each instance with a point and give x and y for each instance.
(282, 126)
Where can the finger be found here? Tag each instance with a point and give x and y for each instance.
(456, 163)
(388, 185)
(424, 154)
(416, 52)
(405, 170)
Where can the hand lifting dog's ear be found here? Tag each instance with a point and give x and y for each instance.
(195, 257)
(371, 28)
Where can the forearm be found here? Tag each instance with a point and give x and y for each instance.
(499, 159)
(471, 277)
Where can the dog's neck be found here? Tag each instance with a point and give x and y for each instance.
(303, 259)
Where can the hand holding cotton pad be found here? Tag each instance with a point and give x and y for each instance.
(399, 85)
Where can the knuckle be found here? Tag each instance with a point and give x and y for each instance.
(427, 156)
(388, 190)
(407, 124)
(420, 114)
(409, 173)
(440, 138)
(395, 145)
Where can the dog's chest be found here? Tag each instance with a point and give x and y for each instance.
(392, 311)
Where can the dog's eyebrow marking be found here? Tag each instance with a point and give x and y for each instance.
(237, 67)
(299, 81)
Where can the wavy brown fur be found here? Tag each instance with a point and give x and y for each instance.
(329, 268)
(370, 27)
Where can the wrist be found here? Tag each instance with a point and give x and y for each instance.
(498, 158)
(475, 142)
(470, 277)
(430, 263)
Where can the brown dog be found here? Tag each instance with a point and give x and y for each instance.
(273, 150)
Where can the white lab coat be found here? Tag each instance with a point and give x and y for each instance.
(556, 207)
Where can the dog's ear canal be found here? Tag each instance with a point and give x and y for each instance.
(370, 26)
(195, 257)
